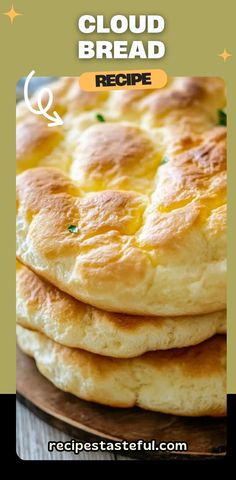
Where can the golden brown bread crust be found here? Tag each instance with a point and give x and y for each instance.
(34, 141)
(187, 93)
(188, 381)
(151, 235)
(44, 308)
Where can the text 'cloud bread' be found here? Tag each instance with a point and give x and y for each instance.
(145, 192)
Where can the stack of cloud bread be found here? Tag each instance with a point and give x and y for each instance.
(121, 245)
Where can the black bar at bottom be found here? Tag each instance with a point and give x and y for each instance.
(8, 439)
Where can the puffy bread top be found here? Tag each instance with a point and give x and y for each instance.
(145, 189)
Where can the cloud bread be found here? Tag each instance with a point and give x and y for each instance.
(146, 191)
(44, 308)
(190, 381)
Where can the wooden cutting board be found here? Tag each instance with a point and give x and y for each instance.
(87, 421)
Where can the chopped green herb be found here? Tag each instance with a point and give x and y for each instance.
(164, 160)
(73, 229)
(222, 118)
(100, 117)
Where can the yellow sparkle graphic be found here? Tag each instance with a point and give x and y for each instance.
(12, 14)
(225, 55)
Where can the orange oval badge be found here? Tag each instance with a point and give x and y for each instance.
(123, 80)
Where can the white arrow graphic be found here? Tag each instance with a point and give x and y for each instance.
(45, 92)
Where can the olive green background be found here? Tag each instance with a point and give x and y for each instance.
(45, 39)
